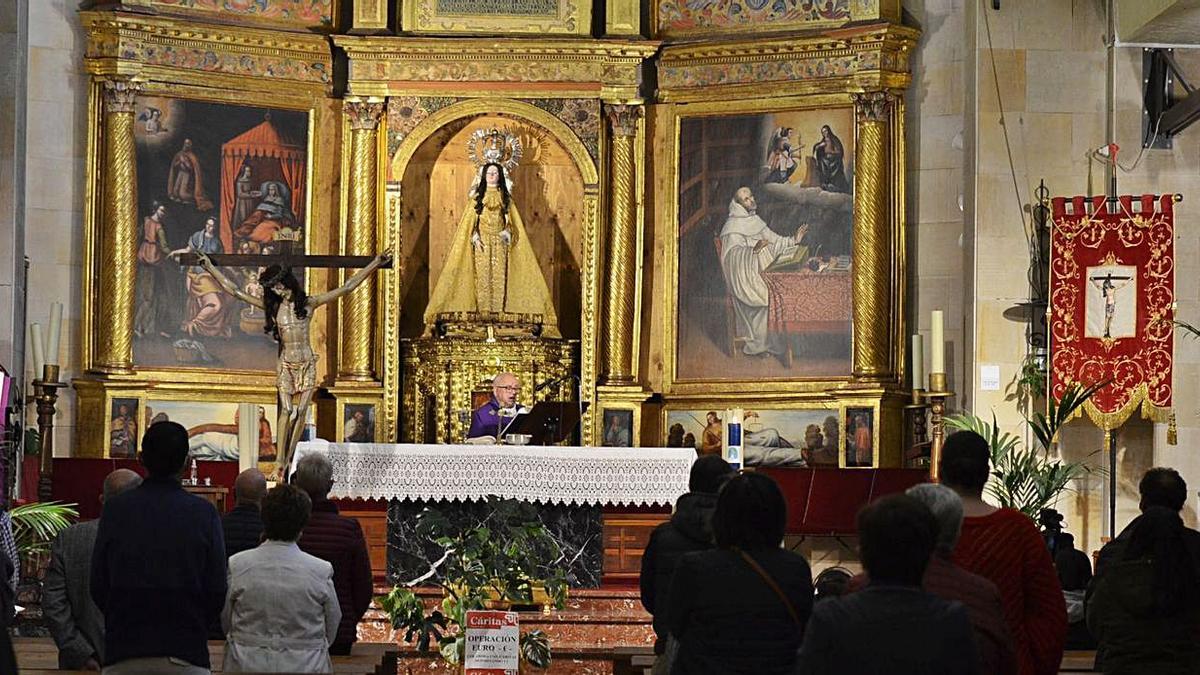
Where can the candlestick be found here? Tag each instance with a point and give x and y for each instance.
(37, 345)
(918, 361)
(937, 395)
(938, 337)
(45, 394)
(52, 340)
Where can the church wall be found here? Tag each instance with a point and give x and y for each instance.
(56, 137)
(1050, 61)
(12, 178)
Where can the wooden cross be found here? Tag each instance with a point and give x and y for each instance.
(286, 260)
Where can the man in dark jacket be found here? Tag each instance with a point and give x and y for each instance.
(892, 626)
(688, 530)
(74, 620)
(1160, 487)
(339, 541)
(243, 525)
(158, 568)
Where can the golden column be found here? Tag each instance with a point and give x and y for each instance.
(874, 270)
(118, 229)
(357, 311)
(621, 272)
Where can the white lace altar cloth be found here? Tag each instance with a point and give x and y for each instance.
(551, 475)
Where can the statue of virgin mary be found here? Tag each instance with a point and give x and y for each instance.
(491, 268)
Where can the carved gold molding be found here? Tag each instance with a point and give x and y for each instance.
(875, 56)
(382, 66)
(118, 231)
(873, 237)
(568, 17)
(170, 50)
(356, 337)
(620, 291)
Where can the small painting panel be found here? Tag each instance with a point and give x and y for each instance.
(618, 428)
(765, 221)
(212, 178)
(860, 437)
(213, 427)
(771, 437)
(123, 428)
(358, 423)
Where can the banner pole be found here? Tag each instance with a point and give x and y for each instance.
(1110, 439)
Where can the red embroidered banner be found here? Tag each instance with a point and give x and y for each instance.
(1112, 288)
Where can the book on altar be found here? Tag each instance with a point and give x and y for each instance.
(790, 260)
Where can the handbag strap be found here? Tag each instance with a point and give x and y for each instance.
(770, 582)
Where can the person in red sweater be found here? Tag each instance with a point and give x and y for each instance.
(339, 541)
(1005, 547)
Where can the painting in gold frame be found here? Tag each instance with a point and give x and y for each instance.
(772, 437)
(293, 14)
(762, 248)
(213, 427)
(221, 178)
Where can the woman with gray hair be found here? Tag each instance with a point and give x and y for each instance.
(993, 644)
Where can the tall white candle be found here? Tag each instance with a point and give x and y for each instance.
(918, 362)
(938, 337)
(52, 340)
(37, 345)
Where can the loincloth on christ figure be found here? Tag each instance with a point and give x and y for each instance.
(297, 377)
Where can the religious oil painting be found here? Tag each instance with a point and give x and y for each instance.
(123, 431)
(215, 429)
(1111, 306)
(771, 437)
(765, 218)
(860, 437)
(618, 428)
(358, 423)
(283, 13)
(212, 178)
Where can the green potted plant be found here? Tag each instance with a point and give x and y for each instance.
(508, 559)
(1025, 478)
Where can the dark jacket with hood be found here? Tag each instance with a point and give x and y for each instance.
(689, 529)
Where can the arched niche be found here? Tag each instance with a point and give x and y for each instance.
(549, 188)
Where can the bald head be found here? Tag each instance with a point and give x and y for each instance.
(250, 486)
(504, 388)
(119, 481)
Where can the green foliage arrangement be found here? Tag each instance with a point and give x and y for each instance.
(35, 525)
(499, 562)
(1026, 478)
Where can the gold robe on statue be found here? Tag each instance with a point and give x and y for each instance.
(497, 276)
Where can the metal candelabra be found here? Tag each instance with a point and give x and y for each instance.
(45, 393)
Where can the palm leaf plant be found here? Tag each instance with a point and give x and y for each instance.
(1025, 478)
(35, 525)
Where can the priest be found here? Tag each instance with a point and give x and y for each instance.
(492, 418)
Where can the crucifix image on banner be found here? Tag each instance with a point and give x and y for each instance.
(1110, 311)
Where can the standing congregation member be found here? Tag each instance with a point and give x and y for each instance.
(1005, 547)
(74, 620)
(688, 530)
(1144, 606)
(243, 526)
(1163, 488)
(158, 567)
(741, 607)
(892, 626)
(339, 541)
(282, 611)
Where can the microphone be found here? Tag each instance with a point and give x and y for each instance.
(549, 382)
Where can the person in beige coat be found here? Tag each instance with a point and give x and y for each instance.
(282, 612)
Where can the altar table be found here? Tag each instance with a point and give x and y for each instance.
(571, 485)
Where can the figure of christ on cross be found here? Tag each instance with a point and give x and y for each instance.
(1108, 290)
(288, 309)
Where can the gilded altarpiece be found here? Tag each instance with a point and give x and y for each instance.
(218, 138)
(778, 176)
(556, 97)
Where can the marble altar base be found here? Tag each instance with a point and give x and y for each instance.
(576, 529)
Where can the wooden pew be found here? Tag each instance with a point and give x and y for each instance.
(633, 660)
(39, 656)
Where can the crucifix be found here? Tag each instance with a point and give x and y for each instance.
(288, 310)
(1108, 290)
